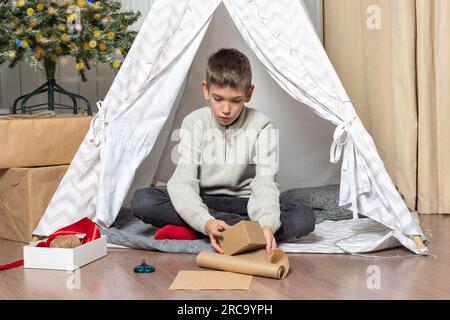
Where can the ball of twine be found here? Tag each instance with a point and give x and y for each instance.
(69, 242)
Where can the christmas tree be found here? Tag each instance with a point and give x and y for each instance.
(41, 31)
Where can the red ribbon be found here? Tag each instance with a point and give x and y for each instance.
(83, 227)
(12, 265)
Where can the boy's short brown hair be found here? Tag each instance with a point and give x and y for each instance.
(229, 67)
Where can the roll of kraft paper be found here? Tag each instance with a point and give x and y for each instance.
(257, 263)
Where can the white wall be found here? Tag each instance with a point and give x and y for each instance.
(305, 139)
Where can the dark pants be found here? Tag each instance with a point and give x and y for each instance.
(153, 205)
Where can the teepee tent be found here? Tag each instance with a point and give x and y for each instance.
(146, 90)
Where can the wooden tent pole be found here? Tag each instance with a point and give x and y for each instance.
(418, 241)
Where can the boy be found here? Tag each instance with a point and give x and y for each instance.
(227, 168)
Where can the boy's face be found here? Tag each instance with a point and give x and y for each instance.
(226, 102)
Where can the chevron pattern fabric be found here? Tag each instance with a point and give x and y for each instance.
(76, 193)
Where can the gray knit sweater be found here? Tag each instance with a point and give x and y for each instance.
(240, 159)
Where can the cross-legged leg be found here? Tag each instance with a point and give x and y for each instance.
(297, 220)
(153, 205)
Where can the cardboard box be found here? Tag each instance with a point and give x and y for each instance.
(243, 237)
(41, 141)
(24, 196)
(64, 259)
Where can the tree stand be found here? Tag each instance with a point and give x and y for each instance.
(50, 87)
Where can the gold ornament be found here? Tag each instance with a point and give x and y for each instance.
(92, 44)
(72, 17)
(54, 58)
(40, 6)
(97, 34)
(80, 66)
(61, 27)
(11, 54)
(81, 3)
(111, 35)
(116, 64)
(40, 50)
(30, 11)
(102, 47)
(86, 45)
(24, 44)
(58, 50)
(65, 37)
(97, 5)
(51, 10)
(37, 55)
(20, 3)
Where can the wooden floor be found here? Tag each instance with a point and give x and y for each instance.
(313, 276)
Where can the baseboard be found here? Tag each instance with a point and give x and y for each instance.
(4, 111)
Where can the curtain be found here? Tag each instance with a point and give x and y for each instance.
(394, 60)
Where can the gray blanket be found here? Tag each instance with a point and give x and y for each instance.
(129, 231)
(132, 232)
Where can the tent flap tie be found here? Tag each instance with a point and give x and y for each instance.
(99, 125)
(338, 144)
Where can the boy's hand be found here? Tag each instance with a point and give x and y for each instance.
(214, 229)
(270, 239)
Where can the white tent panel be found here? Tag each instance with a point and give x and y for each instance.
(144, 94)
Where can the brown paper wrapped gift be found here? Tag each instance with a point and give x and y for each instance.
(24, 195)
(36, 142)
(242, 237)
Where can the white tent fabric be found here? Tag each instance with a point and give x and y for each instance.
(144, 92)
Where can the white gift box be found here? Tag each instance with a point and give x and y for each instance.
(64, 259)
